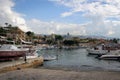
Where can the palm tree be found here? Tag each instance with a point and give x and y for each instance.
(6, 24)
(9, 25)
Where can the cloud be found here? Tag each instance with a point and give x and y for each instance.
(7, 14)
(110, 32)
(106, 28)
(103, 15)
(107, 8)
(65, 14)
(102, 18)
(42, 27)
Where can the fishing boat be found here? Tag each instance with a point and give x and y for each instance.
(11, 52)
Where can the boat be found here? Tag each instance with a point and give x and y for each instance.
(97, 52)
(49, 57)
(32, 54)
(32, 51)
(110, 57)
(113, 55)
(11, 52)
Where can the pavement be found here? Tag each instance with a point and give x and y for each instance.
(15, 62)
(11, 63)
(46, 74)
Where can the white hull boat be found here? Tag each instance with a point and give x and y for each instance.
(31, 55)
(110, 57)
(49, 57)
(97, 52)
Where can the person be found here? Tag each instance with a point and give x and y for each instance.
(25, 59)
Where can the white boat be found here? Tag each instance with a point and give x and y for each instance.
(97, 52)
(32, 51)
(31, 55)
(112, 55)
(49, 57)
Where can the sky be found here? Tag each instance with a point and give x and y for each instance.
(77, 17)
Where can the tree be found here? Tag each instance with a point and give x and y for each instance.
(30, 35)
(2, 31)
(6, 24)
(115, 40)
(49, 41)
(9, 25)
(70, 42)
(58, 37)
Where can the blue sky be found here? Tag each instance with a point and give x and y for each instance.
(78, 17)
(39, 9)
(45, 10)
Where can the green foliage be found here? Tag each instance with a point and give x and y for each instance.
(115, 40)
(49, 41)
(30, 34)
(6, 23)
(10, 39)
(70, 42)
(2, 31)
(9, 25)
(58, 37)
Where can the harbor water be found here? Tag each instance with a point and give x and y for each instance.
(78, 60)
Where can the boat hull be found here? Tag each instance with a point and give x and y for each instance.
(97, 52)
(10, 55)
(110, 57)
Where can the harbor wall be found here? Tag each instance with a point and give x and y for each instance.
(31, 63)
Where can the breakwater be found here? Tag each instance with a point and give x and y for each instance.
(17, 65)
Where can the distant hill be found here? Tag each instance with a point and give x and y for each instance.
(83, 36)
(96, 37)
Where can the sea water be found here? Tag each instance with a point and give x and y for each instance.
(78, 60)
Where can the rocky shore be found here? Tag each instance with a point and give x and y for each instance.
(46, 74)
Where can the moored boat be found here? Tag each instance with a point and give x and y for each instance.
(110, 57)
(11, 52)
(97, 52)
(48, 57)
(32, 54)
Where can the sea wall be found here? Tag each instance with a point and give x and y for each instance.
(29, 64)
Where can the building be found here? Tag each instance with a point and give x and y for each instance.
(14, 33)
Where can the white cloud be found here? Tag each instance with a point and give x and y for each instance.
(105, 28)
(65, 14)
(42, 27)
(106, 8)
(7, 14)
(110, 33)
(98, 12)
(104, 15)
